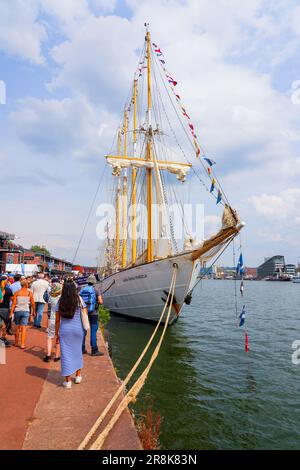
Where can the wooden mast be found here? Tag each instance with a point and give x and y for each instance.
(148, 155)
(117, 247)
(133, 174)
(124, 216)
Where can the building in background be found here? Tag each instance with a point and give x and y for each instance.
(225, 272)
(207, 273)
(273, 267)
(15, 258)
(250, 273)
(10, 253)
(47, 263)
(290, 269)
(229, 272)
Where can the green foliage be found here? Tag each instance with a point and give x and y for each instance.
(103, 315)
(40, 249)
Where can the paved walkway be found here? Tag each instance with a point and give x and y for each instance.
(38, 413)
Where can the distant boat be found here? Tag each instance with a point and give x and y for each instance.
(296, 279)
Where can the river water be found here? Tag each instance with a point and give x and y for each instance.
(210, 393)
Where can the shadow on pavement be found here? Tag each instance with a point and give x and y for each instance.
(43, 373)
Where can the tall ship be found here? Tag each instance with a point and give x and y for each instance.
(156, 150)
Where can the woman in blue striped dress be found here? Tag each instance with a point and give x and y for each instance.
(70, 331)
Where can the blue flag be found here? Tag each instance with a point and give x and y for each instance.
(219, 197)
(209, 161)
(242, 316)
(240, 265)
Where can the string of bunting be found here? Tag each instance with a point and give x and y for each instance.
(240, 270)
(138, 73)
(173, 83)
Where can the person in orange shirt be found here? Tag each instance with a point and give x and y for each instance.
(22, 300)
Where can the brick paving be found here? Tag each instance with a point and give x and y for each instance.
(38, 413)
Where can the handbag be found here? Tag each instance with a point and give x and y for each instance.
(84, 317)
(46, 296)
(4, 313)
(5, 316)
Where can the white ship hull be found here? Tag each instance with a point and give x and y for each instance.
(139, 291)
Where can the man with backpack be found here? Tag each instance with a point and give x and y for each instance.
(89, 297)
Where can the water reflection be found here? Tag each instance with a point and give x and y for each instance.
(209, 392)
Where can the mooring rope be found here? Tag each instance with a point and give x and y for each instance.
(135, 389)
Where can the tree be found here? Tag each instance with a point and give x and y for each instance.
(40, 249)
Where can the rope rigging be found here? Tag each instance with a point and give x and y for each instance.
(160, 66)
(89, 215)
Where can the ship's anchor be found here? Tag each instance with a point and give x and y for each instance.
(174, 302)
(188, 298)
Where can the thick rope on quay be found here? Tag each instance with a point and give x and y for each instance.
(130, 397)
(135, 389)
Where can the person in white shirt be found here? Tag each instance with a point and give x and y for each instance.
(39, 287)
(16, 284)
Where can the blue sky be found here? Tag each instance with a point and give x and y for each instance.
(68, 65)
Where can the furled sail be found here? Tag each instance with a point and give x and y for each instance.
(180, 169)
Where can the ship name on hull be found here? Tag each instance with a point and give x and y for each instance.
(140, 276)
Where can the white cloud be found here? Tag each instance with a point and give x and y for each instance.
(232, 106)
(270, 236)
(280, 207)
(2, 156)
(99, 60)
(102, 6)
(61, 128)
(295, 20)
(212, 223)
(21, 33)
(66, 14)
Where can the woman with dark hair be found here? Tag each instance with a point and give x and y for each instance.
(69, 329)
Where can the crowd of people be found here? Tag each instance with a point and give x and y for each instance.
(71, 312)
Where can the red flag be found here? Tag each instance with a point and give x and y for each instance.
(246, 342)
(173, 82)
(178, 97)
